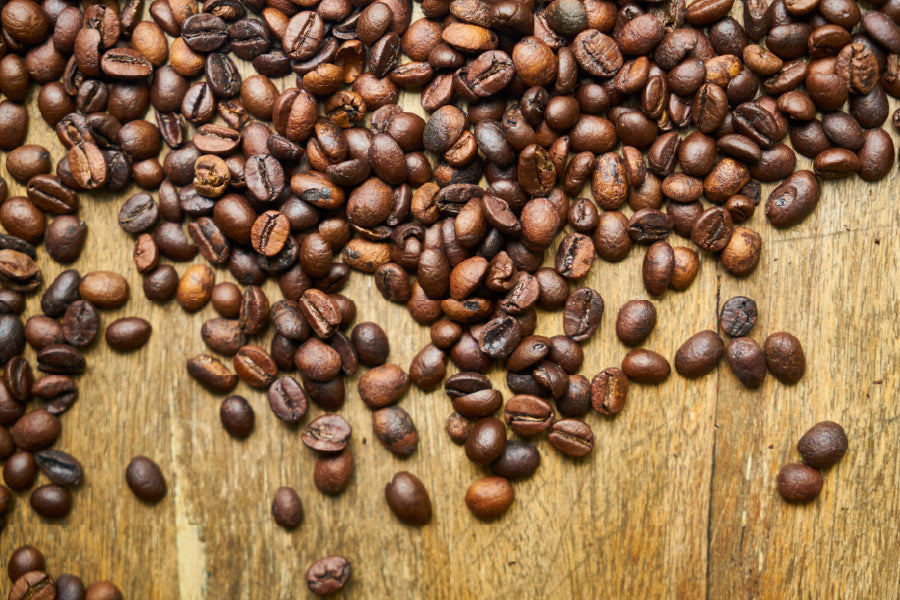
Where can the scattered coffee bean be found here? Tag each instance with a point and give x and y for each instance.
(145, 479)
(799, 483)
(823, 445)
(408, 499)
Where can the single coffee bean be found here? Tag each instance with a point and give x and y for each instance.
(738, 316)
(51, 501)
(408, 499)
(799, 483)
(332, 473)
(645, 366)
(571, 437)
(18, 378)
(747, 361)
(60, 392)
(237, 416)
(34, 585)
(19, 471)
(582, 314)
(395, 429)
(490, 497)
(823, 445)
(658, 268)
(161, 284)
(288, 400)
(69, 587)
(287, 509)
(519, 460)
(24, 559)
(318, 361)
(254, 366)
(60, 467)
(700, 354)
(36, 430)
(327, 433)
(103, 590)
(128, 334)
(428, 367)
(145, 479)
(211, 373)
(793, 200)
(80, 323)
(528, 415)
(635, 322)
(195, 287)
(104, 289)
(383, 386)
(784, 357)
(609, 391)
(328, 575)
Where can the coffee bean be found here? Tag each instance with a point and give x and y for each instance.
(18, 271)
(571, 437)
(103, 590)
(793, 200)
(34, 585)
(328, 433)
(738, 316)
(332, 473)
(80, 323)
(255, 366)
(60, 467)
(18, 378)
(799, 483)
(645, 366)
(408, 499)
(104, 289)
(823, 445)
(195, 287)
(128, 334)
(318, 361)
(36, 430)
(528, 415)
(24, 559)
(19, 471)
(490, 497)
(328, 575)
(145, 479)
(519, 460)
(287, 509)
(609, 391)
(582, 314)
(51, 501)
(747, 361)
(383, 385)
(211, 373)
(395, 429)
(477, 404)
(658, 268)
(700, 354)
(69, 587)
(635, 322)
(288, 400)
(60, 392)
(785, 357)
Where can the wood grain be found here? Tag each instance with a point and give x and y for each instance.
(677, 499)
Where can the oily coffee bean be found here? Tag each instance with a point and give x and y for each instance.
(60, 467)
(18, 378)
(287, 400)
(645, 366)
(635, 322)
(327, 433)
(36, 430)
(59, 359)
(408, 499)
(571, 437)
(287, 508)
(371, 344)
(128, 334)
(799, 483)
(785, 357)
(700, 354)
(823, 445)
(81, 323)
(793, 200)
(582, 314)
(738, 316)
(528, 415)
(395, 429)
(609, 391)
(519, 460)
(145, 479)
(490, 497)
(19, 471)
(328, 575)
(60, 392)
(237, 416)
(51, 501)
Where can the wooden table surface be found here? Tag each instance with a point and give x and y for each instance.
(676, 500)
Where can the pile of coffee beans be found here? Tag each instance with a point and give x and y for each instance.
(656, 105)
(821, 447)
(27, 571)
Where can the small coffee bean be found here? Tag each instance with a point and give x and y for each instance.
(51, 501)
(747, 361)
(24, 559)
(327, 433)
(408, 499)
(490, 497)
(799, 483)
(328, 575)
(60, 392)
(36, 430)
(738, 316)
(700, 354)
(609, 391)
(784, 357)
(823, 445)
(527, 415)
(519, 460)
(395, 429)
(332, 473)
(645, 366)
(288, 400)
(34, 585)
(145, 479)
(237, 416)
(128, 334)
(60, 467)
(571, 437)
(287, 509)
(635, 322)
(19, 471)
(211, 373)
(383, 386)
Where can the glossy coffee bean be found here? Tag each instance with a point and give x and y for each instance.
(645, 366)
(700, 354)
(145, 479)
(408, 499)
(490, 497)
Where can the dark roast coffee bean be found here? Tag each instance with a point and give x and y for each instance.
(571, 437)
(582, 314)
(237, 416)
(51, 501)
(19, 471)
(408, 499)
(738, 316)
(34, 584)
(609, 391)
(519, 460)
(60, 467)
(328, 575)
(700, 354)
(145, 479)
(327, 433)
(81, 323)
(645, 366)
(798, 483)
(288, 400)
(528, 415)
(395, 429)
(635, 322)
(128, 334)
(747, 361)
(211, 373)
(287, 509)
(785, 357)
(823, 445)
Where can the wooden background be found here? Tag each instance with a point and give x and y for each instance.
(677, 499)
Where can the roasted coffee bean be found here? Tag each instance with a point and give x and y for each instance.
(489, 497)
(104, 289)
(80, 323)
(195, 287)
(161, 283)
(18, 271)
(19, 471)
(60, 392)
(24, 559)
(747, 361)
(700, 354)
(649, 225)
(519, 460)
(528, 415)
(408, 499)
(793, 200)
(645, 366)
(713, 229)
(59, 359)
(371, 344)
(383, 385)
(51, 501)
(327, 433)
(738, 316)
(255, 366)
(658, 268)
(799, 483)
(18, 378)
(103, 590)
(582, 314)
(823, 445)
(211, 373)
(332, 473)
(288, 400)
(395, 429)
(128, 334)
(320, 311)
(34, 584)
(318, 361)
(60, 467)
(237, 416)
(609, 391)
(287, 509)
(69, 587)
(571, 437)
(785, 357)
(328, 575)
(635, 322)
